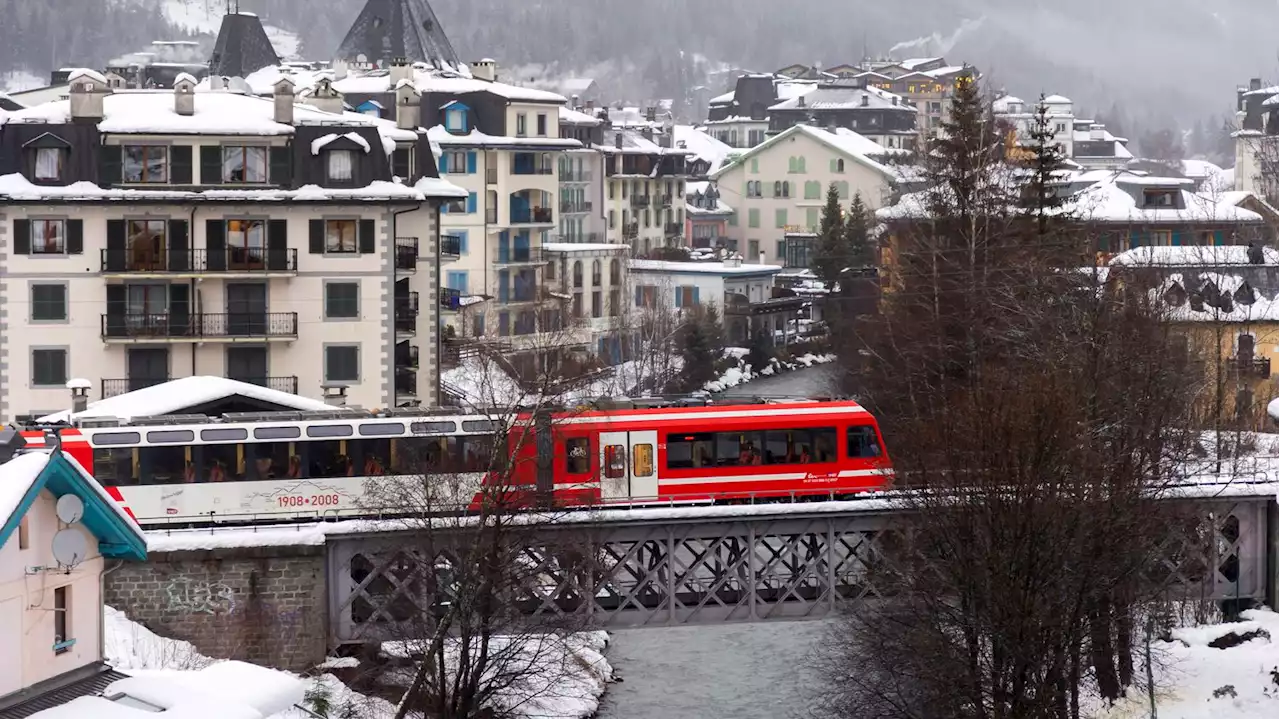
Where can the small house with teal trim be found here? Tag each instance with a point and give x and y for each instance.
(51, 616)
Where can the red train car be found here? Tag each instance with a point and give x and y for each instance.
(274, 466)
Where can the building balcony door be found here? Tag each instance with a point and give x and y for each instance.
(247, 364)
(147, 366)
(246, 309)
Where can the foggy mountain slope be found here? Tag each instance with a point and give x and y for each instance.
(1176, 59)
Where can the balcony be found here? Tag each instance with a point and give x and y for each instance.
(571, 176)
(230, 261)
(671, 229)
(223, 326)
(631, 231)
(1250, 366)
(662, 201)
(450, 247)
(407, 254)
(568, 208)
(406, 383)
(528, 163)
(639, 200)
(737, 305)
(518, 255)
(406, 356)
(406, 313)
(531, 216)
(450, 299)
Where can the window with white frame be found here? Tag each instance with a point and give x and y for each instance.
(48, 237)
(244, 164)
(341, 165)
(145, 163)
(49, 164)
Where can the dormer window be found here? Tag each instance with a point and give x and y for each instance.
(341, 164)
(49, 162)
(1159, 198)
(455, 118)
(145, 163)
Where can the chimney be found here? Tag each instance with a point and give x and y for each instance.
(79, 394)
(1255, 83)
(88, 88)
(800, 101)
(647, 133)
(762, 257)
(485, 69)
(284, 98)
(335, 395)
(400, 70)
(574, 102)
(651, 113)
(866, 100)
(591, 105)
(325, 98)
(408, 106)
(617, 140)
(184, 94)
(1097, 132)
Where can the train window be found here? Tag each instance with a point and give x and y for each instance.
(224, 434)
(326, 459)
(276, 433)
(863, 443)
(738, 448)
(114, 467)
(615, 461)
(106, 438)
(476, 454)
(272, 460)
(163, 465)
(642, 460)
(218, 462)
(370, 457)
(329, 430)
(479, 425)
(577, 455)
(171, 436)
(433, 427)
(824, 444)
(780, 448)
(690, 450)
(381, 429)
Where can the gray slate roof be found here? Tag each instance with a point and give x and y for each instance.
(389, 29)
(242, 47)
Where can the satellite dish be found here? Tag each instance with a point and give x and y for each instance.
(70, 508)
(70, 547)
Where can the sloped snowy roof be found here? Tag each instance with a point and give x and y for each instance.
(914, 62)
(573, 117)
(841, 98)
(850, 144)
(16, 478)
(635, 143)
(80, 72)
(1108, 202)
(1003, 104)
(1057, 100)
(15, 187)
(1264, 305)
(944, 71)
(1191, 256)
(427, 80)
(701, 144)
(175, 395)
(439, 135)
(319, 143)
(711, 268)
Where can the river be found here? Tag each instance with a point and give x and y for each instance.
(727, 671)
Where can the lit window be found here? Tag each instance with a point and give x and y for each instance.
(340, 236)
(48, 237)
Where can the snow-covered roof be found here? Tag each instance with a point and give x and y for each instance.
(704, 146)
(1057, 100)
(1191, 256)
(583, 247)
(15, 187)
(829, 97)
(912, 63)
(319, 143)
(16, 478)
(848, 143)
(185, 77)
(1262, 305)
(635, 143)
(1003, 104)
(711, 268)
(1272, 90)
(152, 112)
(225, 690)
(179, 394)
(570, 116)
(439, 135)
(944, 71)
(428, 80)
(1109, 202)
(80, 72)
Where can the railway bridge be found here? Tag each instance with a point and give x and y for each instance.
(298, 591)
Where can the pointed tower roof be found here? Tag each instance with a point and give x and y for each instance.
(387, 29)
(242, 46)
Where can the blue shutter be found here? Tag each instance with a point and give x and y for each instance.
(462, 241)
(471, 163)
(1135, 239)
(695, 294)
(1217, 238)
(679, 292)
(444, 162)
(1175, 238)
(471, 198)
(639, 296)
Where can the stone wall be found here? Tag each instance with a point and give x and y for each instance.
(261, 604)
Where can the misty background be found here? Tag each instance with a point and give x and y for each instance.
(1134, 63)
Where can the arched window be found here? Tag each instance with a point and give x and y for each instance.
(791, 164)
(615, 272)
(786, 189)
(595, 273)
(577, 274)
(799, 164)
(840, 165)
(777, 189)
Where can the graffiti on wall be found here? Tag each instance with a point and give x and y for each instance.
(200, 596)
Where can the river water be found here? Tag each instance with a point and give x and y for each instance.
(726, 671)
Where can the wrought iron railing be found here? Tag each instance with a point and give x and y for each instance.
(406, 253)
(229, 260)
(171, 325)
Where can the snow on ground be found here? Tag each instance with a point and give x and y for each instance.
(1197, 681)
(744, 372)
(576, 672)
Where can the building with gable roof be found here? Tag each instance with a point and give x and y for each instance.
(51, 607)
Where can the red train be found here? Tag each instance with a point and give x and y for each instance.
(245, 468)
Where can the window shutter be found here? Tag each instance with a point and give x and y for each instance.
(316, 230)
(639, 296)
(179, 309)
(471, 202)
(695, 295)
(679, 293)
(180, 164)
(179, 246)
(444, 162)
(22, 237)
(75, 237)
(109, 165)
(471, 163)
(210, 165)
(462, 241)
(215, 239)
(277, 245)
(400, 164)
(116, 236)
(116, 299)
(281, 166)
(367, 243)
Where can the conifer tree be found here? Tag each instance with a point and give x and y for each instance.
(700, 345)
(1041, 198)
(832, 253)
(857, 235)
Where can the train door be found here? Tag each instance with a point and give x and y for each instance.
(628, 465)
